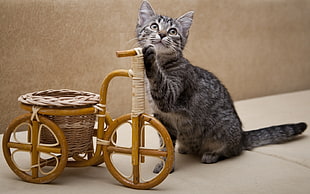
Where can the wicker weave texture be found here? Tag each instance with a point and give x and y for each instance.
(60, 98)
(78, 131)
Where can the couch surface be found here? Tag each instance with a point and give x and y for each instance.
(256, 47)
(276, 169)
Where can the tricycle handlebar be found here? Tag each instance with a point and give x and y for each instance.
(126, 53)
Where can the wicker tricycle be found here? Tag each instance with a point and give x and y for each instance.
(59, 131)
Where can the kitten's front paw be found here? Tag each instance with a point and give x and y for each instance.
(148, 56)
(159, 167)
(209, 158)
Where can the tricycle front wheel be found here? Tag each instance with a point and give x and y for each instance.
(155, 147)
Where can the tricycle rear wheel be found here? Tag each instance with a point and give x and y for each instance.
(28, 156)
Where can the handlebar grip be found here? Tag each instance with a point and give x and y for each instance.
(126, 53)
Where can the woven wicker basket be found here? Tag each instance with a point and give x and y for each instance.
(78, 129)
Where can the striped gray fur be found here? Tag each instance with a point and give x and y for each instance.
(191, 102)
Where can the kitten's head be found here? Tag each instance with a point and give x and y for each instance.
(166, 34)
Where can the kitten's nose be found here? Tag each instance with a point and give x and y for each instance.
(162, 34)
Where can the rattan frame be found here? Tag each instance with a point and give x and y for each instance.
(72, 105)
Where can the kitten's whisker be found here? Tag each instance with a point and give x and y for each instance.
(132, 44)
(135, 45)
(132, 40)
(188, 51)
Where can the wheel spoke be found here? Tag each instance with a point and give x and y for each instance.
(120, 150)
(47, 149)
(136, 174)
(153, 152)
(20, 146)
(142, 151)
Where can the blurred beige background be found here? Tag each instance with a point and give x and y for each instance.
(255, 47)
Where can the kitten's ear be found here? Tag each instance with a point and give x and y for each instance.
(186, 21)
(146, 12)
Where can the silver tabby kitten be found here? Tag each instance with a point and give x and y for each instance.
(191, 102)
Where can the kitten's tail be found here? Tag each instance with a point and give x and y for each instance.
(272, 135)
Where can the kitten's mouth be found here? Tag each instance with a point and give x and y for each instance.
(161, 48)
(161, 45)
(161, 42)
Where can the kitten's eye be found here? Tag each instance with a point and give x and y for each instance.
(173, 32)
(154, 27)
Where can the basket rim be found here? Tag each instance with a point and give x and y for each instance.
(60, 98)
